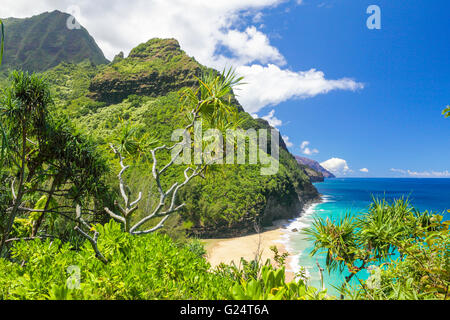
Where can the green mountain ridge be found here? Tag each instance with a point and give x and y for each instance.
(44, 41)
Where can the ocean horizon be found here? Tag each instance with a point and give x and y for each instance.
(354, 195)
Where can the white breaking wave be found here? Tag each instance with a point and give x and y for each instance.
(303, 221)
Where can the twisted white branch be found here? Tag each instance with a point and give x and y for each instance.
(93, 240)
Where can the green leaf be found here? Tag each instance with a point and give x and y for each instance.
(446, 112)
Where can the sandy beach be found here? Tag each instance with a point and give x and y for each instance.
(232, 249)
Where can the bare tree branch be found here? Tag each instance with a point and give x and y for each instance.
(93, 240)
(115, 216)
(30, 238)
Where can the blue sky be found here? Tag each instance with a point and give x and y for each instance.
(353, 98)
(395, 121)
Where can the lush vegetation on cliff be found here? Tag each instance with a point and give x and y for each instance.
(230, 198)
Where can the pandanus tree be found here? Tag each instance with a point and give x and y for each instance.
(23, 111)
(75, 167)
(42, 151)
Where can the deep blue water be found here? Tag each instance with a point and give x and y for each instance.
(354, 195)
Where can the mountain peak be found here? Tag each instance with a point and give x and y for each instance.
(153, 68)
(43, 41)
(156, 48)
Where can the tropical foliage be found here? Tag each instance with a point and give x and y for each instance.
(51, 165)
(446, 112)
(45, 156)
(406, 251)
(271, 285)
(146, 267)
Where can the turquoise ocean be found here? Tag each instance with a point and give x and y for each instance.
(354, 195)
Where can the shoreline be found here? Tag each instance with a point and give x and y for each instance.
(227, 250)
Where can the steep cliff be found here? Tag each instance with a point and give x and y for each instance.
(314, 165)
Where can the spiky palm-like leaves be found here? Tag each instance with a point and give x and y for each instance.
(213, 99)
(356, 242)
(23, 112)
(336, 239)
(446, 112)
(44, 150)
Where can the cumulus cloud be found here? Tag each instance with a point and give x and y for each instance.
(338, 167)
(365, 170)
(306, 150)
(422, 174)
(288, 143)
(248, 46)
(271, 85)
(272, 120)
(398, 171)
(217, 33)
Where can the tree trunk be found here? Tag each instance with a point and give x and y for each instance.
(20, 193)
(38, 223)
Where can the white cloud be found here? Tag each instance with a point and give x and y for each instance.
(214, 32)
(272, 120)
(288, 143)
(336, 166)
(270, 85)
(248, 46)
(398, 171)
(365, 170)
(423, 174)
(306, 150)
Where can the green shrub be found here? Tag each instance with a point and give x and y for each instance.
(271, 285)
(147, 267)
